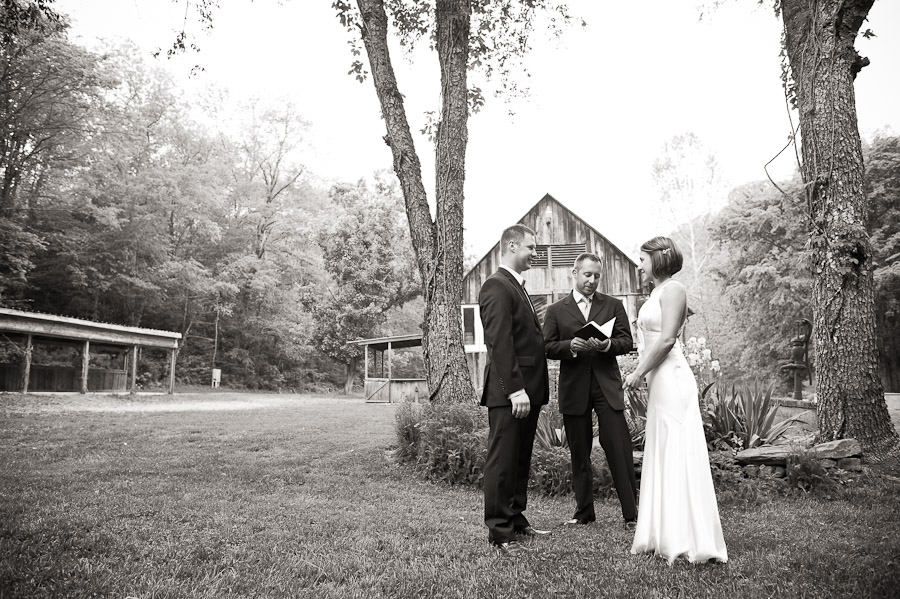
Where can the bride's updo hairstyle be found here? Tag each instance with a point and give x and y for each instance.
(665, 257)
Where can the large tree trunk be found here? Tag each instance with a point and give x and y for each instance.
(819, 37)
(437, 243)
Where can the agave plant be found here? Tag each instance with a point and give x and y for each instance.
(547, 435)
(636, 416)
(747, 417)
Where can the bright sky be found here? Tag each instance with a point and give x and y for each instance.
(604, 99)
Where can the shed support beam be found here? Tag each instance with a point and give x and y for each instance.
(389, 352)
(171, 390)
(134, 359)
(85, 365)
(26, 369)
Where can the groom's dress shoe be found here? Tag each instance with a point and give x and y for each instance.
(530, 531)
(576, 522)
(509, 549)
(631, 523)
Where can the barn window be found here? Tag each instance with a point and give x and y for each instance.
(565, 254)
(560, 255)
(468, 325)
(473, 333)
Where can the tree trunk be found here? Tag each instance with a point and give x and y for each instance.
(437, 243)
(350, 371)
(819, 38)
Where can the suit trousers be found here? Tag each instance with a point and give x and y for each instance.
(616, 443)
(506, 470)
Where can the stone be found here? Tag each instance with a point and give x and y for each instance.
(840, 448)
(751, 470)
(826, 463)
(773, 455)
(854, 464)
(778, 472)
(766, 471)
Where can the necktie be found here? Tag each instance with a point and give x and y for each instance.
(586, 307)
(528, 297)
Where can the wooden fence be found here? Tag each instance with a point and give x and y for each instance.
(61, 378)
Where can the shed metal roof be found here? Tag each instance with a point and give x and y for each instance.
(65, 327)
(396, 342)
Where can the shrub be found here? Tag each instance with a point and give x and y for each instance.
(449, 444)
(446, 443)
(551, 470)
(804, 471)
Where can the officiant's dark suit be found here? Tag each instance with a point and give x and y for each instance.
(515, 387)
(590, 381)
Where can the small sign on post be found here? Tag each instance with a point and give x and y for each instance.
(216, 377)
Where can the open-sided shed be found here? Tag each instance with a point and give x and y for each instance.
(86, 335)
(380, 385)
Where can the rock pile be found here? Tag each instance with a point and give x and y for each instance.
(770, 460)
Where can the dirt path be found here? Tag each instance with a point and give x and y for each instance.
(181, 402)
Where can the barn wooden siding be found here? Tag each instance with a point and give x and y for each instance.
(562, 236)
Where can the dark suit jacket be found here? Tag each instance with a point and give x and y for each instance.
(515, 344)
(562, 320)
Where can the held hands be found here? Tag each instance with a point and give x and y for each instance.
(521, 405)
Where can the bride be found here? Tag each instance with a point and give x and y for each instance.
(677, 511)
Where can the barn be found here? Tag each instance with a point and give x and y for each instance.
(561, 235)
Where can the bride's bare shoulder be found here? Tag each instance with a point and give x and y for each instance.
(673, 288)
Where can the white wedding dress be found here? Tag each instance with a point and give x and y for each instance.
(677, 510)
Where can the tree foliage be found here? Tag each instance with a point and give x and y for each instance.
(763, 277)
(370, 267)
(119, 206)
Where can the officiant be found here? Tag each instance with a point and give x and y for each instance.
(590, 382)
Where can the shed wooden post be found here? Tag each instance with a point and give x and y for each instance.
(366, 362)
(134, 359)
(171, 390)
(389, 352)
(85, 366)
(26, 369)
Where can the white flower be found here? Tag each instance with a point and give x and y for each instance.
(707, 354)
(714, 365)
(692, 340)
(693, 359)
(701, 341)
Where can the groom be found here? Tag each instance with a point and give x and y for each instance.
(515, 388)
(590, 381)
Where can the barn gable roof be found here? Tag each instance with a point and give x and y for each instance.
(533, 210)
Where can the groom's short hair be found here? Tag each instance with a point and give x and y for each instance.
(514, 233)
(665, 257)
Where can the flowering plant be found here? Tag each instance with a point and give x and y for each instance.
(699, 356)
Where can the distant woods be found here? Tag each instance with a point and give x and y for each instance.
(756, 278)
(121, 201)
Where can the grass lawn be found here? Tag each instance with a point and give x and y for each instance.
(237, 495)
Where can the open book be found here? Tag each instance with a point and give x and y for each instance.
(599, 331)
